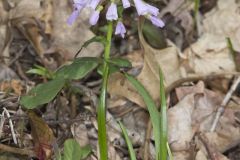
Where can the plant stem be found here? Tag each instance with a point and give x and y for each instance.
(163, 121)
(101, 110)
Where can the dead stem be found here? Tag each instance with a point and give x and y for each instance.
(223, 105)
(17, 150)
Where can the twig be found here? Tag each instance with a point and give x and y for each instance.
(11, 125)
(2, 123)
(197, 78)
(222, 107)
(210, 149)
(16, 150)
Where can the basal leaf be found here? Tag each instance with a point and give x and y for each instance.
(73, 151)
(152, 109)
(42, 93)
(79, 68)
(128, 141)
(163, 121)
(99, 39)
(120, 62)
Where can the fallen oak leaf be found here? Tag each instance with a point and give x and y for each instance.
(43, 136)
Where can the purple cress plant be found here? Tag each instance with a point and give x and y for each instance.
(143, 9)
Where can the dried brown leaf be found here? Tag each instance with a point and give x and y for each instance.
(43, 136)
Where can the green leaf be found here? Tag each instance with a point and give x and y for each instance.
(39, 70)
(100, 39)
(79, 68)
(94, 39)
(42, 93)
(152, 109)
(153, 35)
(115, 64)
(73, 151)
(128, 141)
(163, 121)
(112, 69)
(120, 62)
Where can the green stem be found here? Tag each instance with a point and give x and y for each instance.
(101, 110)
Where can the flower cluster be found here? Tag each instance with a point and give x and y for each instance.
(143, 9)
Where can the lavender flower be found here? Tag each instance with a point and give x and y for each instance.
(126, 3)
(141, 7)
(112, 12)
(78, 5)
(94, 18)
(156, 21)
(152, 10)
(72, 18)
(93, 4)
(120, 29)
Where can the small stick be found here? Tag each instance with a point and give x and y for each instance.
(222, 107)
(211, 150)
(11, 125)
(19, 151)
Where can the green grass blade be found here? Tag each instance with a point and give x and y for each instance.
(154, 114)
(230, 47)
(128, 141)
(169, 152)
(196, 10)
(163, 120)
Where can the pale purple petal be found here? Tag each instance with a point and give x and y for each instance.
(81, 2)
(126, 3)
(120, 29)
(78, 5)
(72, 18)
(93, 4)
(141, 7)
(157, 22)
(94, 18)
(153, 10)
(112, 12)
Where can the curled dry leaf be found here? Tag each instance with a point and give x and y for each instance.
(194, 113)
(167, 59)
(210, 53)
(43, 137)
